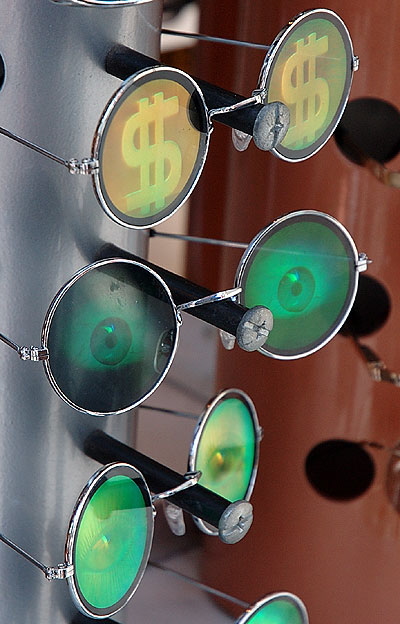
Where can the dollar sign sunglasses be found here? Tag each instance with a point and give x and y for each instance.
(304, 268)
(309, 68)
(151, 144)
(110, 335)
(224, 449)
(108, 541)
(276, 608)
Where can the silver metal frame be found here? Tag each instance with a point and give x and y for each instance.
(66, 570)
(53, 306)
(360, 264)
(268, 65)
(200, 426)
(42, 353)
(252, 610)
(106, 118)
(100, 3)
(94, 482)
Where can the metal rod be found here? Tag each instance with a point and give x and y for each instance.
(33, 146)
(23, 553)
(10, 343)
(199, 585)
(199, 239)
(123, 62)
(225, 315)
(244, 44)
(198, 501)
(169, 411)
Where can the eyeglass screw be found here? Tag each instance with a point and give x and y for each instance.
(271, 125)
(254, 327)
(235, 522)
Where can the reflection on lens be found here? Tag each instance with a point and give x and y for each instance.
(112, 541)
(303, 268)
(103, 336)
(283, 610)
(225, 446)
(151, 146)
(111, 341)
(296, 289)
(309, 68)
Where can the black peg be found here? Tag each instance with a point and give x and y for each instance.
(249, 325)
(232, 520)
(122, 62)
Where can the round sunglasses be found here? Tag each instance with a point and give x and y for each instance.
(108, 541)
(225, 449)
(150, 145)
(309, 69)
(304, 268)
(110, 336)
(276, 608)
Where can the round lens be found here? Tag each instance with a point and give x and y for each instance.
(303, 268)
(276, 609)
(104, 333)
(111, 540)
(225, 446)
(151, 146)
(309, 68)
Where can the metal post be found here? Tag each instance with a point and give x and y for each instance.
(54, 91)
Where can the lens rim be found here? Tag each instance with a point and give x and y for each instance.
(96, 480)
(104, 3)
(53, 307)
(268, 67)
(246, 260)
(127, 87)
(204, 417)
(252, 610)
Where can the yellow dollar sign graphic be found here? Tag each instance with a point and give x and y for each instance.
(309, 94)
(159, 161)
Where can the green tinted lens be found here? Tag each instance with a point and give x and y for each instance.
(112, 543)
(303, 270)
(105, 334)
(278, 611)
(311, 72)
(226, 448)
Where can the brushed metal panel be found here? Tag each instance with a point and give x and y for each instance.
(50, 226)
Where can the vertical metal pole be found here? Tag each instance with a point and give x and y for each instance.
(54, 91)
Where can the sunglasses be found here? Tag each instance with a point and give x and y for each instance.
(108, 540)
(276, 608)
(110, 336)
(309, 68)
(304, 268)
(224, 449)
(231, 519)
(150, 145)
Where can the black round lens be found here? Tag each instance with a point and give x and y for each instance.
(103, 335)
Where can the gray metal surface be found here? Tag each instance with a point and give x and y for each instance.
(50, 226)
